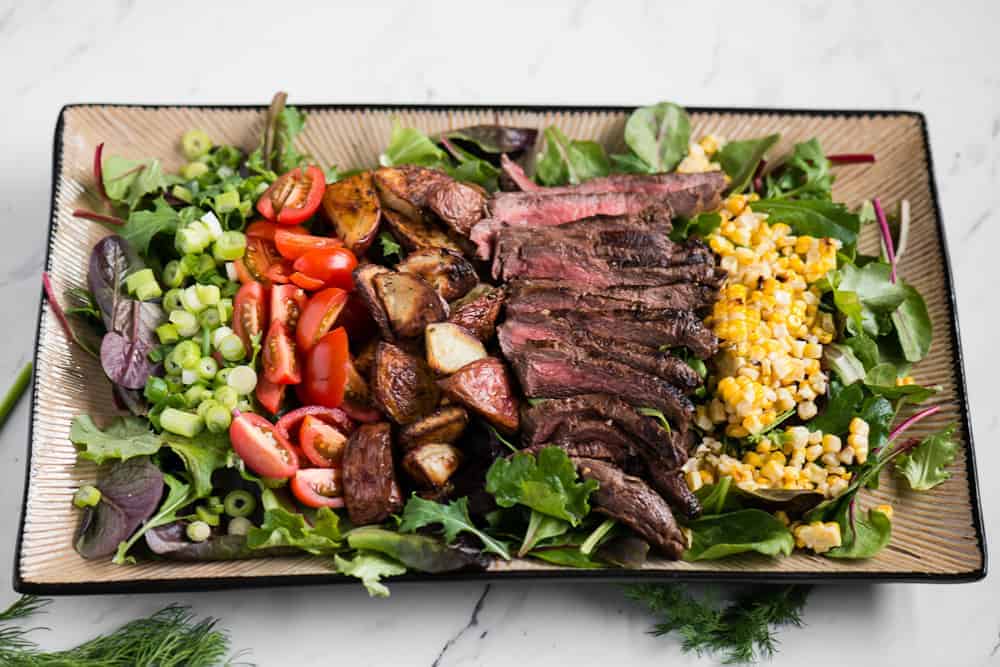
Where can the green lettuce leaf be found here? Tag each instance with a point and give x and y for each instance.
(805, 174)
(282, 528)
(417, 552)
(841, 408)
(142, 226)
(548, 484)
(913, 324)
(411, 146)
(658, 135)
(567, 161)
(202, 456)
(813, 218)
(453, 519)
(370, 567)
(866, 538)
(739, 159)
(722, 535)
(881, 379)
(124, 438)
(924, 466)
(128, 181)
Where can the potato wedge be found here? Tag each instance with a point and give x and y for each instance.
(352, 205)
(450, 274)
(370, 489)
(406, 188)
(364, 360)
(414, 232)
(402, 385)
(431, 465)
(364, 277)
(410, 303)
(445, 425)
(451, 347)
(484, 387)
(357, 390)
(459, 205)
(479, 315)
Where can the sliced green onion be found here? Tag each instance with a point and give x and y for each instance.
(189, 376)
(208, 295)
(207, 403)
(239, 503)
(186, 354)
(87, 496)
(230, 246)
(244, 404)
(212, 224)
(243, 379)
(186, 323)
(193, 239)
(174, 273)
(156, 389)
(239, 525)
(195, 143)
(195, 395)
(191, 300)
(222, 377)
(227, 201)
(207, 368)
(209, 318)
(193, 170)
(198, 531)
(172, 300)
(206, 515)
(218, 418)
(231, 348)
(226, 303)
(218, 334)
(182, 193)
(181, 423)
(168, 333)
(227, 396)
(142, 284)
(170, 365)
(206, 342)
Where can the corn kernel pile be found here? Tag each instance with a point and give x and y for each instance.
(699, 157)
(768, 322)
(791, 459)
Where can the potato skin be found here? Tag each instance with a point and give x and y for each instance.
(402, 385)
(370, 489)
(479, 315)
(415, 233)
(432, 464)
(460, 205)
(445, 426)
(364, 282)
(450, 347)
(447, 271)
(406, 188)
(352, 205)
(484, 387)
(409, 302)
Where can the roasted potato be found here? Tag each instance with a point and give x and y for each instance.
(352, 206)
(414, 232)
(444, 426)
(450, 347)
(460, 205)
(364, 277)
(402, 385)
(484, 387)
(479, 315)
(357, 390)
(432, 464)
(410, 303)
(364, 360)
(405, 189)
(450, 274)
(370, 489)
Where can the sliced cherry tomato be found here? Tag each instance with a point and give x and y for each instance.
(333, 266)
(318, 487)
(326, 369)
(287, 304)
(264, 450)
(258, 259)
(280, 364)
(321, 443)
(294, 197)
(319, 316)
(243, 274)
(280, 272)
(263, 229)
(270, 395)
(249, 313)
(291, 422)
(305, 282)
(294, 245)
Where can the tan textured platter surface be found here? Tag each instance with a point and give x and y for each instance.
(937, 536)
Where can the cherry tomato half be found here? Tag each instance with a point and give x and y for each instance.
(264, 229)
(333, 266)
(278, 356)
(291, 422)
(319, 316)
(294, 245)
(249, 313)
(265, 451)
(305, 282)
(294, 197)
(326, 369)
(287, 303)
(318, 487)
(269, 394)
(321, 443)
(258, 261)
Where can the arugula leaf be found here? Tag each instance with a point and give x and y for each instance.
(813, 218)
(739, 159)
(568, 161)
(128, 181)
(924, 466)
(124, 438)
(202, 456)
(411, 146)
(282, 528)
(738, 532)
(453, 518)
(658, 135)
(841, 408)
(805, 175)
(370, 567)
(865, 538)
(291, 123)
(547, 483)
(389, 246)
(913, 324)
(179, 494)
(700, 225)
(142, 226)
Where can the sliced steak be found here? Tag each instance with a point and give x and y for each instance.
(542, 296)
(631, 501)
(460, 205)
(515, 174)
(530, 208)
(587, 449)
(370, 490)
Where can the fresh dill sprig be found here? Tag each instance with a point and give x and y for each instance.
(172, 637)
(742, 630)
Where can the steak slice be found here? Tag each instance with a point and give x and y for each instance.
(555, 373)
(370, 490)
(459, 204)
(522, 208)
(516, 333)
(543, 296)
(631, 501)
(587, 449)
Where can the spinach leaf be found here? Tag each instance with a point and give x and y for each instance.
(865, 538)
(130, 491)
(842, 407)
(873, 286)
(913, 324)
(548, 484)
(370, 567)
(178, 495)
(453, 518)
(659, 135)
(879, 413)
(813, 218)
(865, 349)
(739, 159)
(924, 466)
(722, 535)
(123, 439)
(805, 175)
(569, 161)
(881, 380)
(629, 163)
(282, 528)
(472, 169)
(411, 146)
(418, 552)
(143, 225)
(715, 498)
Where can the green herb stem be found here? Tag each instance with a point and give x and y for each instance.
(15, 392)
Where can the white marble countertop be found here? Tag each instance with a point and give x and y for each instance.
(936, 57)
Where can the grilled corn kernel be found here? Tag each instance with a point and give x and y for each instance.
(831, 443)
(818, 536)
(709, 143)
(706, 476)
(753, 459)
(859, 426)
(772, 471)
(813, 452)
(777, 456)
(885, 509)
(807, 410)
(693, 479)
